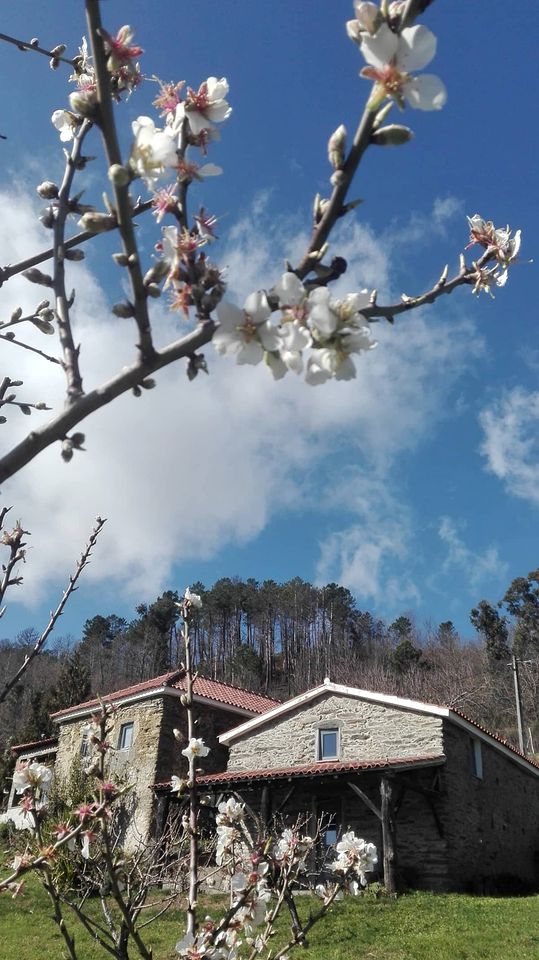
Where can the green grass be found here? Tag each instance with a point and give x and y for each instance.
(418, 926)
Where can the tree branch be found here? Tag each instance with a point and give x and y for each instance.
(121, 193)
(84, 560)
(130, 377)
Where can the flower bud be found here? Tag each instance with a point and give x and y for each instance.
(118, 175)
(36, 276)
(393, 135)
(17, 314)
(121, 259)
(47, 190)
(42, 324)
(178, 735)
(83, 102)
(76, 254)
(95, 222)
(153, 290)
(157, 272)
(67, 450)
(123, 310)
(336, 147)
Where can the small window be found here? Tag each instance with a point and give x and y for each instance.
(126, 736)
(476, 758)
(85, 746)
(328, 744)
(330, 836)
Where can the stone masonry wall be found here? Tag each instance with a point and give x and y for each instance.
(136, 765)
(368, 731)
(491, 824)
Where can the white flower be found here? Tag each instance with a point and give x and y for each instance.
(294, 337)
(153, 150)
(289, 290)
(230, 811)
(391, 57)
(192, 598)
(246, 333)
(195, 748)
(66, 123)
(34, 775)
(204, 107)
(177, 784)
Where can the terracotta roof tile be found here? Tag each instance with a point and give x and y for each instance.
(233, 696)
(494, 736)
(204, 687)
(326, 768)
(46, 743)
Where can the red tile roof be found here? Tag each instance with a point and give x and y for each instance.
(49, 743)
(494, 736)
(223, 693)
(233, 696)
(326, 768)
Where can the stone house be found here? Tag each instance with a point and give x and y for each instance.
(448, 804)
(144, 749)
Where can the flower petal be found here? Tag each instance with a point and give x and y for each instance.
(380, 49)
(426, 92)
(417, 47)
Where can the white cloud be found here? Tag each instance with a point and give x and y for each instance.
(189, 468)
(476, 566)
(511, 442)
(363, 556)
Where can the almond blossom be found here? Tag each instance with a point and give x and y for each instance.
(153, 150)
(66, 123)
(34, 775)
(195, 748)
(205, 106)
(391, 57)
(246, 333)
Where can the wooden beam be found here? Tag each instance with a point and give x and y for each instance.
(284, 802)
(389, 836)
(366, 800)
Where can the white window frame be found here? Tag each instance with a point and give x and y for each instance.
(477, 758)
(320, 743)
(126, 728)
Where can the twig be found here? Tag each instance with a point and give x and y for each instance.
(26, 346)
(24, 45)
(85, 558)
(11, 270)
(70, 351)
(121, 193)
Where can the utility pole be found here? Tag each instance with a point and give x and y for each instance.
(516, 678)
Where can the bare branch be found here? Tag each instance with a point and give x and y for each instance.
(130, 377)
(56, 614)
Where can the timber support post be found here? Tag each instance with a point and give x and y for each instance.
(389, 836)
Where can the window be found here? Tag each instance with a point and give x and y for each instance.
(126, 736)
(328, 744)
(85, 746)
(476, 758)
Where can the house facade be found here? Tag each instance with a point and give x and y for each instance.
(143, 749)
(448, 804)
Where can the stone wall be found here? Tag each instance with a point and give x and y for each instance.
(154, 754)
(368, 731)
(136, 765)
(491, 824)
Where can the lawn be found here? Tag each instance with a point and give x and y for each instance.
(418, 926)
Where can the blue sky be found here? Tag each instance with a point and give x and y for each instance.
(417, 484)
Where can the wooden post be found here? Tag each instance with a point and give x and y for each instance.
(389, 836)
(265, 807)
